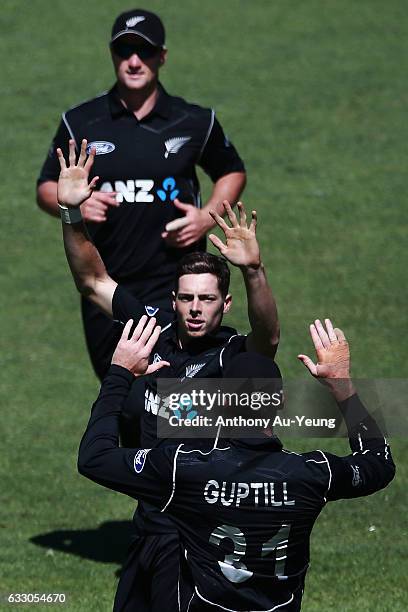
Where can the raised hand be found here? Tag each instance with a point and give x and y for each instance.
(73, 187)
(332, 351)
(133, 351)
(241, 247)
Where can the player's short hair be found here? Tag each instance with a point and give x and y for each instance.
(205, 263)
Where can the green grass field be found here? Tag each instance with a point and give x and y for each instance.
(314, 95)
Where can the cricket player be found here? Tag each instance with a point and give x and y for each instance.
(146, 212)
(244, 509)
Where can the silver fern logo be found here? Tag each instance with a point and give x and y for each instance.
(134, 21)
(193, 369)
(173, 145)
(356, 476)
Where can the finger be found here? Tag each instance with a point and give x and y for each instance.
(92, 184)
(340, 335)
(182, 206)
(242, 215)
(98, 219)
(139, 328)
(330, 330)
(322, 333)
(109, 199)
(112, 202)
(173, 234)
(219, 220)
(315, 337)
(308, 363)
(82, 153)
(217, 243)
(230, 213)
(61, 159)
(126, 330)
(95, 206)
(153, 339)
(253, 221)
(72, 156)
(157, 366)
(184, 233)
(94, 216)
(147, 332)
(90, 160)
(105, 196)
(177, 224)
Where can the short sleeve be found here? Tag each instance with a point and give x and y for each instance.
(236, 345)
(126, 306)
(51, 168)
(219, 156)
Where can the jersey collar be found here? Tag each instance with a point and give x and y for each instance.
(161, 108)
(213, 340)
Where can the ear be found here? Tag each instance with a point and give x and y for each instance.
(163, 57)
(227, 303)
(173, 294)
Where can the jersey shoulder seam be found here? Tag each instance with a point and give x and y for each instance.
(86, 102)
(78, 110)
(207, 136)
(192, 107)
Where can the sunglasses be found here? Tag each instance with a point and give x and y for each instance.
(125, 50)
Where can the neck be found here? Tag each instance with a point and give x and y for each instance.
(140, 103)
(183, 340)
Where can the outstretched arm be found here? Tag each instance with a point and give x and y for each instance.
(241, 249)
(100, 458)
(87, 267)
(370, 466)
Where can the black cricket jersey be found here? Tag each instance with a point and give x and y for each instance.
(206, 357)
(244, 510)
(148, 163)
(203, 358)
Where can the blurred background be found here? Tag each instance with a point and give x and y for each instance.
(314, 96)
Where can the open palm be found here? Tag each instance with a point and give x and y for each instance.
(332, 352)
(73, 186)
(241, 246)
(134, 349)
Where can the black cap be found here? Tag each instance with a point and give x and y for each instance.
(143, 23)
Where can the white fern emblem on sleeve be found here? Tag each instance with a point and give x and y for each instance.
(173, 145)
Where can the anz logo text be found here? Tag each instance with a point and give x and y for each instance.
(143, 191)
